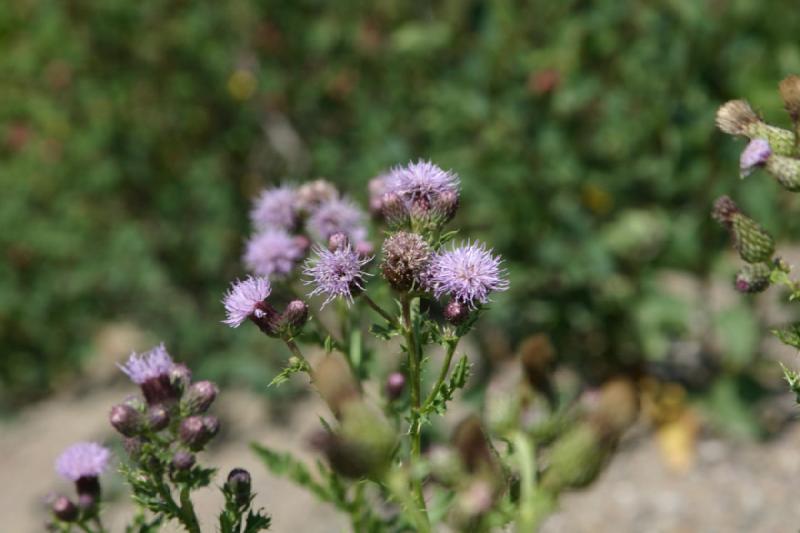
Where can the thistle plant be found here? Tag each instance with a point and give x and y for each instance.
(776, 151)
(163, 431)
(386, 464)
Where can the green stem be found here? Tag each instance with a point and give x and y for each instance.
(448, 358)
(378, 309)
(415, 431)
(189, 518)
(527, 519)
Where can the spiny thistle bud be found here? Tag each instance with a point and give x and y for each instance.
(179, 377)
(337, 241)
(64, 509)
(790, 92)
(738, 118)
(405, 255)
(753, 278)
(751, 241)
(755, 155)
(394, 209)
(446, 206)
(575, 459)
(193, 433)
(182, 460)
(395, 384)
(200, 396)
(125, 419)
(157, 417)
(364, 249)
(239, 484)
(786, 170)
(456, 312)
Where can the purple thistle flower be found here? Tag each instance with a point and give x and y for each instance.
(273, 252)
(468, 274)
(147, 366)
(339, 215)
(421, 184)
(275, 208)
(244, 299)
(755, 154)
(83, 460)
(336, 273)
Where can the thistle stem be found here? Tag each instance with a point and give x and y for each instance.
(451, 349)
(378, 309)
(527, 519)
(415, 377)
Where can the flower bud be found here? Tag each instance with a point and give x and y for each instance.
(267, 319)
(394, 209)
(446, 205)
(751, 241)
(738, 118)
(786, 170)
(337, 241)
(180, 377)
(364, 249)
(395, 384)
(239, 484)
(753, 278)
(456, 312)
(312, 195)
(296, 314)
(64, 509)
(193, 432)
(157, 417)
(182, 460)
(790, 92)
(200, 396)
(125, 419)
(405, 256)
(211, 423)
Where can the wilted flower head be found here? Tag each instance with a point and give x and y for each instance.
(311, 195)
(468, 273)
(735, 117)
(83, 460)
(147, 366)
(339, 215)
(336, 273)
(275, 208)
(273, 253)
(405, 255)
(245, 299)
(755, 155)
(422, 184)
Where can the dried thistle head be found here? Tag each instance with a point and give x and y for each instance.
(790, 92)
(405, 255)
(735, 117)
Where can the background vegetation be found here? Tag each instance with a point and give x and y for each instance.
(133, 135)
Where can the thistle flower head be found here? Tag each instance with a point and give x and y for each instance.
(311, 195)
(244, 299)
(275, 208)
(405, 256)
(735, 117)
(339, 215)
(273, 253)
(468, 274)
(724, 209)
(754, 155)
(152, 365)
(336, 273)
(424, 189)
(83, 460)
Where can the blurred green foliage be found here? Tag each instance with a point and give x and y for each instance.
(135, 133)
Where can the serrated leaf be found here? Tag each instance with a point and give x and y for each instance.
(384, 332)
(789, 336)
(458, 379)
(299, 365)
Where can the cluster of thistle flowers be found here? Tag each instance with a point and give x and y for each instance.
(775, 150)
(418, 261)
(163, 430)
